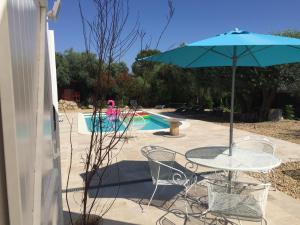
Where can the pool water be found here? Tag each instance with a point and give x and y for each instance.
(154, 122)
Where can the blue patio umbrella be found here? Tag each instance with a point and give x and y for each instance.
(235, 49)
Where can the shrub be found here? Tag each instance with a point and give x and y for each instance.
(288, 112)
(207, 101)
(226, 109)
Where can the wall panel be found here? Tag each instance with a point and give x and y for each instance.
(23, 17)
(24, 27)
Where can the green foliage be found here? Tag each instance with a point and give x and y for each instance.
(118, 68)
(289, 112)
(154, 83)
(256, 88)
(62, 69)
(290, 72)
(74, 71)
(226, 109)
(78, 71)
(207, 102)
(140, 67)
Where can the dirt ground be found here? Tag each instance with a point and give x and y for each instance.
(285, 178)
(288, 130)
(287, 175)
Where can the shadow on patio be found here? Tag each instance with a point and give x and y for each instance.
(103, 221)
(132, 180)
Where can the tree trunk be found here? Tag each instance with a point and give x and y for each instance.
(268, 96)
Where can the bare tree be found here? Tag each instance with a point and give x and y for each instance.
(170, 15)
(106, 35)
(142, 33)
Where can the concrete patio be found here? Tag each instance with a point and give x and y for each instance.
(130, 165)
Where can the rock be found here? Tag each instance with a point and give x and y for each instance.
(275, 115)
(67, 105)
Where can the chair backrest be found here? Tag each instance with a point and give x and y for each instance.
(237, 199)
(256, 143)
(161, 161)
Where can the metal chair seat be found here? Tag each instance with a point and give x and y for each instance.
(247, 209)
(237, 200)
(166, 171)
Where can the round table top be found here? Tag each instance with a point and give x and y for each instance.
(241, 159)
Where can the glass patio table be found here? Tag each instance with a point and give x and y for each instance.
(240, 160)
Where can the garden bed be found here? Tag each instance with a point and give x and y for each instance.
(288, 130)
(287, 175)
(287, 178)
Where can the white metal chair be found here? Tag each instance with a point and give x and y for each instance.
(237, 200)
(163, 172)
(257, 143)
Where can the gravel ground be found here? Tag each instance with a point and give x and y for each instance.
(286, 179)
(288, 130)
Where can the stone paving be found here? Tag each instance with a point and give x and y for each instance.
(129, 207)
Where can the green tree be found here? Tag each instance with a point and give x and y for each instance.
(62, 70)
(118, 68)
(74, 71)
(147, 71)
(140, 67)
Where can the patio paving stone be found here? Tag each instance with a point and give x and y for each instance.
(133, 197)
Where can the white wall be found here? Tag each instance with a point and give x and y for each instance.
(51, 47)
(3, 192)
(27, 95)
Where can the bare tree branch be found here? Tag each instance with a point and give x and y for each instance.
(141, 34)
(171, 11)
(70, 164)
(103, 36)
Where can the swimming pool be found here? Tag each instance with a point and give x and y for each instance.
(153, 122)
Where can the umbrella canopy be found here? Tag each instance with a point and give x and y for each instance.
(250, 49)
(235, 48)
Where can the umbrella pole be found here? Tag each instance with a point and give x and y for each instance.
(234, 61)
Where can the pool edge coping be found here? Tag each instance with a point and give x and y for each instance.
(83, 129)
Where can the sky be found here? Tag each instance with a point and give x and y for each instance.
(193, 20)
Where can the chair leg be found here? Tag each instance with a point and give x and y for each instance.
(235, 175)
(265, 177)
(269, 177)
(273, 174)
(185, 202)
(264, 219)
(185, 196)
(153, 194)
(204, 215)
